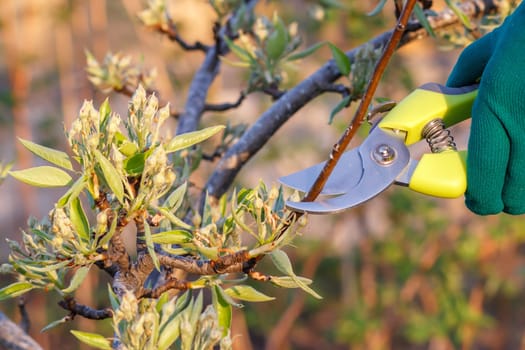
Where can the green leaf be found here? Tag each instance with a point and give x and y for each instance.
(461, 15)
(169, 333)
(51, 155)
(150, 246)
(55, 323)
(4, 170)
(92, 339)
(134, 165)
(111, 176)
(247, 293)
(420, 15)
(191, 138)
(196, 310)
(338, 108)
(161, 301)
(277, 40)
(238, 64)
(176, 198)
(281, 260)
(172, 237)
(73, 192)
(288, 282)
(77, 279)
(332, 4)
(341, 60)
(104, 110)
(42, 176)
(377, 9)
(243, 54)
(15, 289)
(306, 52)
(208, 252)
(128, 148)
(46, 268)
(223, 309)
(306, 288)
(113, 299)
(79, 219)
(172, 218)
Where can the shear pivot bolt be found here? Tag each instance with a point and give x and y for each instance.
(384, 154)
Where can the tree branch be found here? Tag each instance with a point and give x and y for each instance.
(13, 338)
(296, 98)
(173, 283)
(72, 306)
(203, 78)
(173, 35)
(25, 322)
(225, 106)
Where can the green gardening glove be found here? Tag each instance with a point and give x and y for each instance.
(496, 150)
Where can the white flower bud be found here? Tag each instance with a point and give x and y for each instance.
(159, 180)
(139, 97)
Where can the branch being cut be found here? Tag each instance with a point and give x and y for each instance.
(296, 98)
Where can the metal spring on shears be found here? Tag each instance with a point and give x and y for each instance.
(438, 136)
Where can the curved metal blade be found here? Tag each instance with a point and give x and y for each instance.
(346, 174)
(375, 176)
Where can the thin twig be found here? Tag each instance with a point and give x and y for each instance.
(274, 92)
(173, 283)
(341, 89)
(25, 322)
(225, 106)
(218, 153)
(173, 35)
(72, 306)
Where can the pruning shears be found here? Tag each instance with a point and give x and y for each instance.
(384, 158)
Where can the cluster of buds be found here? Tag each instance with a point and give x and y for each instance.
(155, 15)
(93, 130)
(145, 118)
(116, 72)
(265, 50)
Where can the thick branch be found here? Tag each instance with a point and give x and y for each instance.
(294, 99)
(202, 80)
(13, 338)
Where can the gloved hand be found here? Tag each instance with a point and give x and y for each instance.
(496, 150)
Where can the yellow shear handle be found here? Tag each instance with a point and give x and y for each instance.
(437, 174)
(426, 103)
(441, 174)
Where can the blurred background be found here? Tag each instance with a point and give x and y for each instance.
(403, 271)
